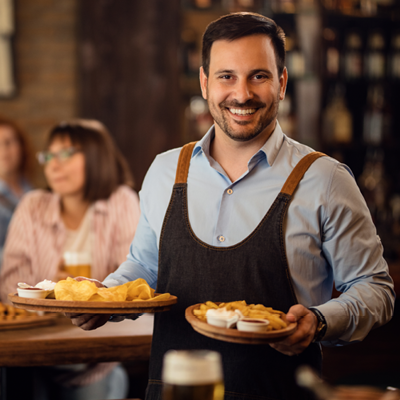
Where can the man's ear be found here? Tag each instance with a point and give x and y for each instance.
(203, 83)
(283, 82)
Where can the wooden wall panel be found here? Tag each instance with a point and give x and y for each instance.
(129, 74)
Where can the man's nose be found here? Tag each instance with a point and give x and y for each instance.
(243, 91)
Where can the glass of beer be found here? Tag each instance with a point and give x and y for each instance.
(77, 263)
(192, 375)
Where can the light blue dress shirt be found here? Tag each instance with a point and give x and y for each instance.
(329, 235)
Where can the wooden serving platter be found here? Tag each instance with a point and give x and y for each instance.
(235, 336)
(30, 321)
(93, 307)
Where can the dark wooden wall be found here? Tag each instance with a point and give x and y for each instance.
(129, 74)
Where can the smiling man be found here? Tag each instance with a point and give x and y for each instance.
(249, 214)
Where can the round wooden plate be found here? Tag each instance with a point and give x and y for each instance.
(93, 307)
(235, 336)
(30, 321)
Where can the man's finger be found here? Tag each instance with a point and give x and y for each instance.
(296, 312)
(89, 322)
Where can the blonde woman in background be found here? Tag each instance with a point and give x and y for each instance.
(16, 165)
(89, 207)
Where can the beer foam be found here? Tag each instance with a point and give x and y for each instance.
(196, 367)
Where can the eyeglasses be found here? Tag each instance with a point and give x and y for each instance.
(44, 157)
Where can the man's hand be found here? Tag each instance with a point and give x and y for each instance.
(95, 281)
(298, 341)
(88, 322)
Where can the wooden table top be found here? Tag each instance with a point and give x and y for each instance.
(64, 343)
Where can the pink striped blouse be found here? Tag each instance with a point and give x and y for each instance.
(36, 236)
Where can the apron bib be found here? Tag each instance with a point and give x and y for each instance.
(254, 270)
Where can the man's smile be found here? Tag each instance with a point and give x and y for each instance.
(241, 111)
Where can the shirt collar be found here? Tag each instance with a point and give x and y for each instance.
(269, 150)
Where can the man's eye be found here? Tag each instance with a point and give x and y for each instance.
(225, 77)
(258, 77)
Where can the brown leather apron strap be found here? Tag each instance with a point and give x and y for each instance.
(184, 162)
(298, 172)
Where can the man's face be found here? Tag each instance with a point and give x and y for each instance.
(243, 88)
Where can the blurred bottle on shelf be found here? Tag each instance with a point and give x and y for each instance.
(295, 61)
(331, 5)
(198, 118)
(191, 57)
(332, 60)
(201, 4)
(375, 56)
(241, 5)
(374, 185)
(337, 121)
(377, 117)
(286, 116)
(353, 64)
(368, 8)
(394, 64)
(395, 210)
(283, 6)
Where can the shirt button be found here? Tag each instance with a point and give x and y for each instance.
(229, 191)
(221, 238)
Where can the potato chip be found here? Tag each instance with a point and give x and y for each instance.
(116, 293)
(138, 290)
(72, 290)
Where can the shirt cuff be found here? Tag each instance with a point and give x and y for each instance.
(111, 283)
(337, 319)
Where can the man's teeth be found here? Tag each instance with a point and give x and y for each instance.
(239, 111)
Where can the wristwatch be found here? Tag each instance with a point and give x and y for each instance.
(321, 327)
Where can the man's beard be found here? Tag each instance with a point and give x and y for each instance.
(244, 136)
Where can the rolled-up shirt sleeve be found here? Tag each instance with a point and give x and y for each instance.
(354, 251)
(142, 260)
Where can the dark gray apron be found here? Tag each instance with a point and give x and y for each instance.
(254, 270)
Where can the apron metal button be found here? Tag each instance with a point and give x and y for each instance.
(229, 191)
(221, 238)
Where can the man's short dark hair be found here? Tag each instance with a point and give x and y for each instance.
(237, 25)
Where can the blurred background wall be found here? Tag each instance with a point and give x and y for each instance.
(44, 61)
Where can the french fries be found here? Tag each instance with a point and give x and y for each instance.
(10, 313)
(248, 310)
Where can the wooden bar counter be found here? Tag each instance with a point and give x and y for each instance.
(64, 343)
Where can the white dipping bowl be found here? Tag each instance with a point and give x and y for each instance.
(33, 293)
(252, 324)
(221, 318)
